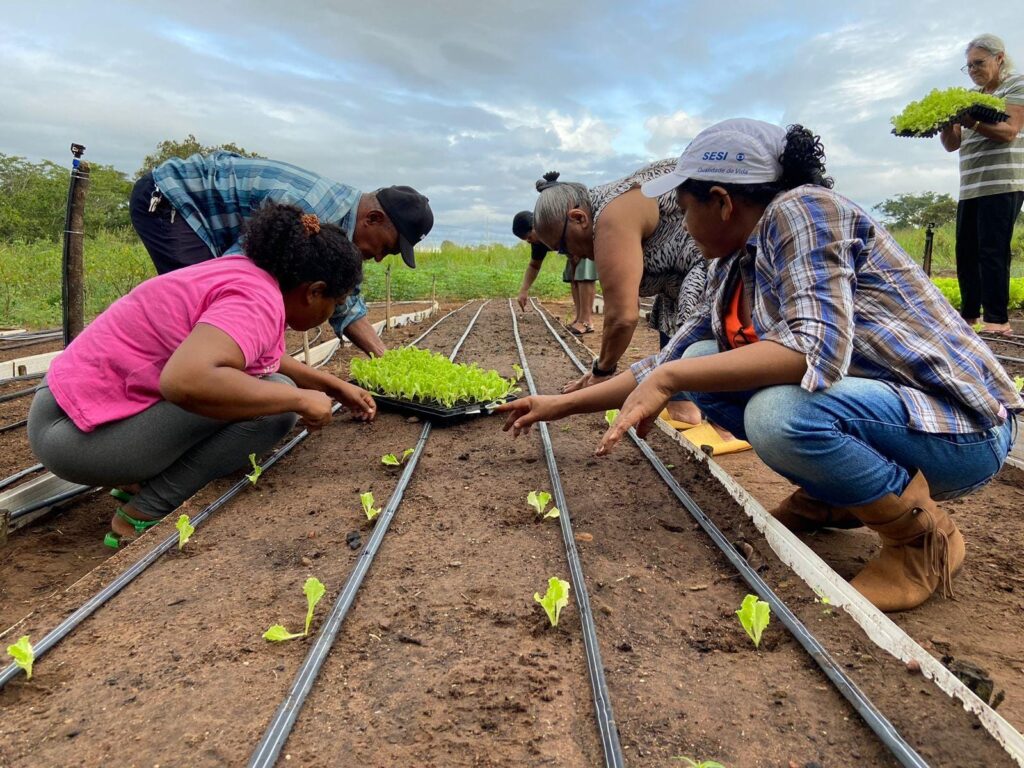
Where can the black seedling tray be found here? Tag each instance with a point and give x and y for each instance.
(436, 413)
(979, 113)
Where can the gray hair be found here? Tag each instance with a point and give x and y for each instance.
(557, 200)
(995, 46)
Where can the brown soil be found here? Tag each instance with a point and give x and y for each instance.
(444, 659)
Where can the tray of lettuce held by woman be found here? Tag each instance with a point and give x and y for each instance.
(428, 385)
(940, 109)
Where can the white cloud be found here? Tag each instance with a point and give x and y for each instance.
(669, 134)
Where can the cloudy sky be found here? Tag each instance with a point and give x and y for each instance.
(472, 101)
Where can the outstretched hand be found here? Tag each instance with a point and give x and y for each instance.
(639, 411)
(527, 411)
(358, 401)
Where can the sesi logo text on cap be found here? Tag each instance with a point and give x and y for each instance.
(715, 156)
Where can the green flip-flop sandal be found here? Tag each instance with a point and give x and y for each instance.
(115, 540)
(123, 496)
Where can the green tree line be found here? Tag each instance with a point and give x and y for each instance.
(33, 195)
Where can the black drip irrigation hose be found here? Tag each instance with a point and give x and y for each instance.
(1014, 341)
(17, 394)
(613, 756)
(13, 425)
(12, 479)
(93, 603)
(875, 720)
(1006, 359)
(23, 377)
(269, 748)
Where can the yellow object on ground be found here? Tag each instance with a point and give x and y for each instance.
(705, 434)
(680, 425)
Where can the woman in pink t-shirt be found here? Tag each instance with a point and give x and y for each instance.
(175, 384)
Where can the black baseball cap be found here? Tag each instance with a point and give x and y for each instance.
(410, 212)
(522, 224)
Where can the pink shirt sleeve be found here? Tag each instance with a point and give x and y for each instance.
(259, 334)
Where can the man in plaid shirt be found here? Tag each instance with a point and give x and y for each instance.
(188, 211)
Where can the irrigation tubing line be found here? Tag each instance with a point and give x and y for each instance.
(13, 425)
(999, 339)
(420, 338)
(1006, 359)
(17, 394)
(59, 498)
(874, 719)
(93, 603)
(24, 377)
(269, 748)
(595, 667)
(12, 479)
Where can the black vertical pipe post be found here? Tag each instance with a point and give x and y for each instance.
(929, 236)
(72, 267)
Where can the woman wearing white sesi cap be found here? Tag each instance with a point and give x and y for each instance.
(833, 355)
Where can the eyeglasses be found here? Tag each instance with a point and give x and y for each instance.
(563, 246)
(976, 64)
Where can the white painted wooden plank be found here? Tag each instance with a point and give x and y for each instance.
(319, 353)
(23, 366)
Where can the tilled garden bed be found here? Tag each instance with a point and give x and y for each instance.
(444, 658)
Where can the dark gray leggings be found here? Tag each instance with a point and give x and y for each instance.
(171, 452)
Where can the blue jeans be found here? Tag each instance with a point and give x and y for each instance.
(850, 444)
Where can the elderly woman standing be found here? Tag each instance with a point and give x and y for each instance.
(991, 187)
(640, 247)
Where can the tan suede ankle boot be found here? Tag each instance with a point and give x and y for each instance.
(921, 549)
(801, 512)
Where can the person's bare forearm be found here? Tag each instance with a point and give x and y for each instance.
(616, 335)
(306, 377)
(529, 276)
(764, 364)
(229, 394)
(360, 332)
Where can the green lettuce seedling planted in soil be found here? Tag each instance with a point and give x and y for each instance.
(390, 460)
(691, 763)
(23, 654)
(314, 590)
(185, 530)
(366, 499)
(754, 616)
(555, 599)
(418, 375)
(257, 470)
(1018, 382)
(539, 500)
(610, 416)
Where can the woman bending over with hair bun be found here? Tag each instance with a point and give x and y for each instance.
(175, 384)
(832, 354)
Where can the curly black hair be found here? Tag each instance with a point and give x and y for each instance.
(550, 179)
(803, 162)
(278, 241)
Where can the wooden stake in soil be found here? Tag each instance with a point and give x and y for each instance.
(305, 346)
(433, 290)
(74, 237)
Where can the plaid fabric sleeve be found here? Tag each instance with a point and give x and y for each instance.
(353, 308)
(806, 278)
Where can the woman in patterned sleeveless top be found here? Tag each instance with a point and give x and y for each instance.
(640, 248)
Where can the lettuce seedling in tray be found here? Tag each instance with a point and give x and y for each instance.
(428, 384)
(943, 108)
